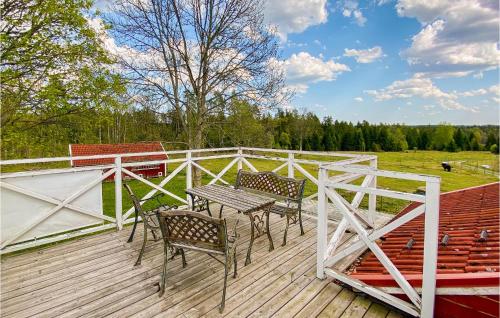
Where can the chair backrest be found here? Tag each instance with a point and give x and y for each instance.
(270, 183)
(133, 197)
(193, 229)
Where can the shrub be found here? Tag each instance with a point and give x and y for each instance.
(494, 149)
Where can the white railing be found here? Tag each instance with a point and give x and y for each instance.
(187, 160)
(329, 255)
(336, 171)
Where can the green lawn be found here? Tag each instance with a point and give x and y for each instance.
(423, 162)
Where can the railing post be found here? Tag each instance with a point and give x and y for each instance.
(189, 179)
(372, 198)
(290, 165)
(431, 234)
(118, 192)
(240, 161)
(322, 225)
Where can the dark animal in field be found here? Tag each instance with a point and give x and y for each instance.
(446, 166)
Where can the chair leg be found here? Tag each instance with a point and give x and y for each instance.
(300, 222)
(143, 245)
(235, 273)
(131, 238)
(155, 237)
(173, 252)
(164, 272)
(252, 238)
(286, 229)
(271, 245)
(184, 263)
(208, 208)
(223, 303)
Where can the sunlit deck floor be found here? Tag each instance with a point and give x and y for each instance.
(95, 277)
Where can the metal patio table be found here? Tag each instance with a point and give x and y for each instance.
(242, 201)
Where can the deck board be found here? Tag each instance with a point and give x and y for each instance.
(94, 276)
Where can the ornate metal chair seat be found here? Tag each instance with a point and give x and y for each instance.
(152, 223)
(284, 210)
(189, 230)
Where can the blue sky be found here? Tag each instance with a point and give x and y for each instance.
(407, 61)
(392, 61)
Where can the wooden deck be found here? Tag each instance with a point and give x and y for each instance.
(95, 277)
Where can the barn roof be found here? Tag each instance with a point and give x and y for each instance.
(107, 149)
(464, 214)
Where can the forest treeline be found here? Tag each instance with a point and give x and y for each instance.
(242, 124)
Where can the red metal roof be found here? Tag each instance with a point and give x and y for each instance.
(463, 215)
(107, 149)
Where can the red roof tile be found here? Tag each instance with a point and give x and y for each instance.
(107, 149)
(463, 215)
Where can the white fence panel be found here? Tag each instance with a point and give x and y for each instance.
(28, 198)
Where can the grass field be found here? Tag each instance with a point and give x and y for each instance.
(422, 162)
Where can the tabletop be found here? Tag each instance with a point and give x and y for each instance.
(239, 200)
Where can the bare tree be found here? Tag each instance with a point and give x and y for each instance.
(194, 55)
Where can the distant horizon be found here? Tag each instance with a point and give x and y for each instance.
(322, 117)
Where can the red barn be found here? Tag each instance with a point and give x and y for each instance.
(146, 170)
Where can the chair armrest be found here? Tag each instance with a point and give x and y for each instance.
(160, 208)
(160, 204)
(157, 196)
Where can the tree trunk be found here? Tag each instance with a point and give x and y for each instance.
(197, 144)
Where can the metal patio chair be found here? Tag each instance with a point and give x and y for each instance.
(148, 217)
(189, 230)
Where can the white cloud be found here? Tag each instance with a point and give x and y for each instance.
(418, 87)
(321, 45)
(475, 92)
(294, 16)
(103, 5)
(358, 99)
(382, 2)
(303, 69)
(350, 8)
(492, 90)
(292, 44)
(495, 89)
(478, 75)
(365, 56)
(458, 37)
(124, 52)
(360, 19)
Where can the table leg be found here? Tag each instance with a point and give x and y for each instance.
(208, 209)
(271, 245)
(192, 201)
(249, 252)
